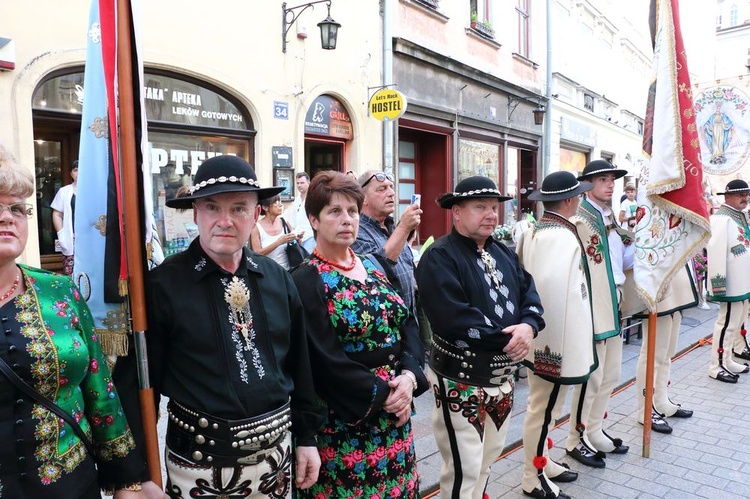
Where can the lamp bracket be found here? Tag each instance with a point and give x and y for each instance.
(514, 101)
(376, 88)
(287, 22)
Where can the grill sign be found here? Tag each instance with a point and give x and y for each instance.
(387, 105)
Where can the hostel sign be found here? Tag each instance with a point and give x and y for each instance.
(387, 105)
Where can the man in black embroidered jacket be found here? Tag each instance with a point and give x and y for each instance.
(227, 344)
(484, 310)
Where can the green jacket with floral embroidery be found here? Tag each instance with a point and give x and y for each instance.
(64, 362)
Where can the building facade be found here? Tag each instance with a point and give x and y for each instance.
(601, 63)
(473, 74)
(217, 82)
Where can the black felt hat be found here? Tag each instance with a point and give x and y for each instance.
(601, 167)
(735, 187)
(471, 188)
(560, 185)
(222, 175)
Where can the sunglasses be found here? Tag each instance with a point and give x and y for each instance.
(380, 177)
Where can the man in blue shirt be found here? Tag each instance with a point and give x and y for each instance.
(379, 234)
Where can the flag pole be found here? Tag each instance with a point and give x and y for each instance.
(134, 238)
(649, 395)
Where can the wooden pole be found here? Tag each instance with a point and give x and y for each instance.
(649, 395)
(134, 238)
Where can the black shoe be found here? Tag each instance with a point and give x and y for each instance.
(726, 377)
(745, 371)
(587, 458)
(620, 449)
(660, 425)
(566, 476)
(744, 354)
(682, 413)
(540, 494)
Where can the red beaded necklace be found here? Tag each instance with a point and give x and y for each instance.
(345, 268)
(12, 289)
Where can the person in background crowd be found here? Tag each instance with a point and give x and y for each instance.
(628, 207)
(296, 214)
(484, 311)
(380, 235)
(366, 369)
(50, 349)
(63, 211)
(728, 268)
(563, 354)
(608, 258)
(227, 344)
(269, 236)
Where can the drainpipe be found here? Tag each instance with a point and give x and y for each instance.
(388, 80)
(548, 94)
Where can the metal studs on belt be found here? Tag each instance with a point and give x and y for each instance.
(203, 423)
(200, 439)
(197, 455)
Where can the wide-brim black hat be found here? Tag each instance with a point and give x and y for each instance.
(223, 175)
(601, 167)
(471, 188)
(735, 187)
(558, 186)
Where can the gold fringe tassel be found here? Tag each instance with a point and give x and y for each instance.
(113, 343)
(122, 287)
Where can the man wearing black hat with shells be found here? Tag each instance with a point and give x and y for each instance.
(227, 345)
(728, 269)
(484, 311)
(605, 246)
(563, 354)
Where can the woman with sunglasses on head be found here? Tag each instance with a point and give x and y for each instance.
(50, 349)
(272, 233)
(366, 369)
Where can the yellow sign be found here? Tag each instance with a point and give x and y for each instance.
(387, 105)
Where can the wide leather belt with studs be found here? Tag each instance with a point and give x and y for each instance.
(471, 366)
(206, 439)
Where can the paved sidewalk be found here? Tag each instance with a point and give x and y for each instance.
(706, 456)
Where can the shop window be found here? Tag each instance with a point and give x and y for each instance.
(478, 158)
(188, 122)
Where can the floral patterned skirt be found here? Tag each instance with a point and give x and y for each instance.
(371, 460)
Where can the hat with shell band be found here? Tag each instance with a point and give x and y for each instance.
(735, 186)
(558, 186)
(223, 175)
(471, 188)
(601, 167)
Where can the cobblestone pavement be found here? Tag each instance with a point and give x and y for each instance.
(706, 456)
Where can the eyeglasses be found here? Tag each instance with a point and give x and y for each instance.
(380, 177)
(18, 210)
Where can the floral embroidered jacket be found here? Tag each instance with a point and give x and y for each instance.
(728, 256)
(593, 233)
(564, 352)
(51, 343)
